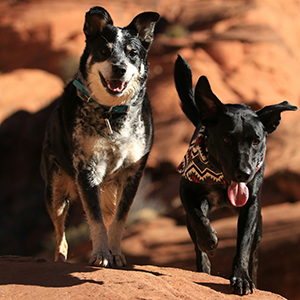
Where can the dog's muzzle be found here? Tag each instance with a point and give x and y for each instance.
(114, 86)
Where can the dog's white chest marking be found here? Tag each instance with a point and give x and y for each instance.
(104, 158)
(109, 165)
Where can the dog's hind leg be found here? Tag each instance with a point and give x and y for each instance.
(57, 201)
(61, 246)
(58, 218)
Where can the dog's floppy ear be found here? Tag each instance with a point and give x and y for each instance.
(95, 20)
(270, 115)
(143, 24)
(209, 106)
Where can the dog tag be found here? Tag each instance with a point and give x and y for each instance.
(108, 126)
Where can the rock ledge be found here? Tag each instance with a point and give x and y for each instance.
(21, 278)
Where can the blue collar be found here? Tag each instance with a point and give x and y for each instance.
(112, 109)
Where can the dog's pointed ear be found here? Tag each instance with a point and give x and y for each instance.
(95, 20)
(209, 106)
(270, 115)
(144, 24)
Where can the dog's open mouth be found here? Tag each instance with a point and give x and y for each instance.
(238, 193)
(113, 86)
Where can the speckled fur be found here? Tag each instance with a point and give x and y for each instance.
(81, 159)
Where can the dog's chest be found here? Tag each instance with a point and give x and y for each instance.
(123, 152)
(104, 154)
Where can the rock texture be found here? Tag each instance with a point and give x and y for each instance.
(23, 278)
(27, 89)
(249, 51)
(164, 243)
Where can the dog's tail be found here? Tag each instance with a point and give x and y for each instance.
(184, 86)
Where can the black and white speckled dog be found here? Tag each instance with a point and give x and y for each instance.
(98, 139)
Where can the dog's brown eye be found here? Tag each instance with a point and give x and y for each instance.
(132, 53)
(227, 140)
(104, 51)
(255, 142)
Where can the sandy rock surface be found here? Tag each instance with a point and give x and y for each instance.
(25, 278)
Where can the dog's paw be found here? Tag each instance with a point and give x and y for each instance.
(61, 251)
(60, 257)
(119, 260)
(242, 285)
(101, 259)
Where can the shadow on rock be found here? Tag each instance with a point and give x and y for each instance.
(23, 214)
(37, 272)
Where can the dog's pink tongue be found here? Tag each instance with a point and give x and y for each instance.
(116, 85)
(238, 193)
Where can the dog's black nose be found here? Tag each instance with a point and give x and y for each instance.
(242, 175)
(119, 70)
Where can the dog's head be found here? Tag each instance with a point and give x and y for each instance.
(236, 137)
(114, 62)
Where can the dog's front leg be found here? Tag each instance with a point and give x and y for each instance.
(249, 236)
(90, 197)
(202, 233)
(127, 192)
(202, 261)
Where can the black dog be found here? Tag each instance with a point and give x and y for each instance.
(99, 137)
(224, 166)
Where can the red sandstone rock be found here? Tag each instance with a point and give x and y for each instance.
(27, 279)
(26, 89)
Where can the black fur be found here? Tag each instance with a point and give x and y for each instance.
(236, 143)
(81, 158)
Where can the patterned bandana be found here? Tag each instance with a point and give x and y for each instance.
(195, 165)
